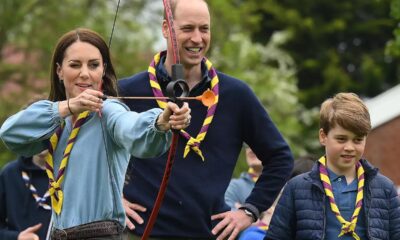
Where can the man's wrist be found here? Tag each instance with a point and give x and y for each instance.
(248, 213)
(251, 211)
(160, 125)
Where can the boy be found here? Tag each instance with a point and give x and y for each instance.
(25, 210)
(343, 196)
(240, 188)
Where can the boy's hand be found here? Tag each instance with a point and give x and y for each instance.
(29, 233)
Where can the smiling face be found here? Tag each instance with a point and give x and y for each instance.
(343, 149)
(81, 68)
(192, 28)
(344, 126)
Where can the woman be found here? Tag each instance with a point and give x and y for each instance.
(89, 140)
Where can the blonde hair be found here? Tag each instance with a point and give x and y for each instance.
(346, 110)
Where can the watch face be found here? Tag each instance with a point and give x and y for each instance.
(248, 213)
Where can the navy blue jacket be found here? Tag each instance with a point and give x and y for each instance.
(196, 188)
(300, 213)
(18, 208)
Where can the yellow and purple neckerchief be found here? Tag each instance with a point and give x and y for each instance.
(262, 225)
(193, 143)
(347, 226)
(40, 201)
(56, 193)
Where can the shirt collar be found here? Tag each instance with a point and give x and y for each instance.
(332, 176)
(162, 74)
(353, 186)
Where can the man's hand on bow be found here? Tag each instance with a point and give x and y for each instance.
(174, 117)
(231, 224)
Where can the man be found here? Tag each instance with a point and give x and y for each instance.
(194, 205)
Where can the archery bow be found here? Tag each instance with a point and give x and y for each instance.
(177, 82)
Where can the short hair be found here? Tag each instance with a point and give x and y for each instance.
(57, 90)
(173, 4)
(346, 110)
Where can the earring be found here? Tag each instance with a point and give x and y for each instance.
(62, 81)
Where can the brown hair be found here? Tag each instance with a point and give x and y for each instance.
(346, 110)
(57, 90)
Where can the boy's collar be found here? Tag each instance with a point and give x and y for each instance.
(333, 176)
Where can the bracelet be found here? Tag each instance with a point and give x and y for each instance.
(70, 111)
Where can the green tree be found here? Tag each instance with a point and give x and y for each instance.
(266, 65)
(393, 46)
(271, 73)
(337, 45)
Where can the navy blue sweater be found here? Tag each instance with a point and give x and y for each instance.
(18, 208)
(196, 188)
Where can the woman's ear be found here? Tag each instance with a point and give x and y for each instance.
(322, 137)
(59, 72)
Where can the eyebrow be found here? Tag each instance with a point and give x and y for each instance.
(90, 60)
(343, 135)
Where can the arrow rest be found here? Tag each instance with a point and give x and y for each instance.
(178, 84)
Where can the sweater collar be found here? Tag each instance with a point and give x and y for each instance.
(162, 74)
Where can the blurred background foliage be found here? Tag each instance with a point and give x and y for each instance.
(294, 54)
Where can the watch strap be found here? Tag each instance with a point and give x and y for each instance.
(252, 209)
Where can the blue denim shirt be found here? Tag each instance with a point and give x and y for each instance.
(345, 198)
(96, 168)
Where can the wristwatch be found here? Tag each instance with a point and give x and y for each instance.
(249, 208)
(249, 213)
